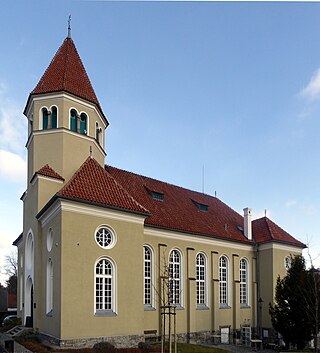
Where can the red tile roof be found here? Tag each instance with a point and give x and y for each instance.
(178, 211)
(93, 184)
(66, 72)
(264, 230)
(116, 188)
(47, 171)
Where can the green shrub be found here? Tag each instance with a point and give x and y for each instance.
(12, 322)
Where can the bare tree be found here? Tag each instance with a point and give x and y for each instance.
(10, 268)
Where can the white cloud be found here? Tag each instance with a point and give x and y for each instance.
(12, 166)
(312, 90)
(291, 203)
(12, 127)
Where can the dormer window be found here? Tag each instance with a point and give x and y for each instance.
(158, 196)
(201, 206)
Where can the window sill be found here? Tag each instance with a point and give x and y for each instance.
(202, 307)
(149, 308)
(179, 307)
(224, 306)
(245, 306)
(105, 313)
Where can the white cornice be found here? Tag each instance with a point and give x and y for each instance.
(70, 206)
(64, 130)
(66, 96)
(196, 239)
(279, 246)
(50, 213)
(101, 212)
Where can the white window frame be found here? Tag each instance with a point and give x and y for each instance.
(244, 282)
(287, 262)
(55, 106)
(41, 116)
(224, 283)
(201, 280)
(113, 295)
(173, 280)
(88, 120)
(148, 304)
(49, 239)
(112, 233)
(49, 288)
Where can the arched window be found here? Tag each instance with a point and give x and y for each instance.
(223, 280)
(148, 268)
(243, 282)
(45, 119)
(29, 252)
(83, 123)
(104, 286)
(201, 279)
(287, 262)
(175, 277)
(73, 120)
(49, 286)
(54, 117)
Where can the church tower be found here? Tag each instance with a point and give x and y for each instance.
(66, 122)
(66, 126)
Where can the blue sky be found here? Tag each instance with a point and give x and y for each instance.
(231, 86)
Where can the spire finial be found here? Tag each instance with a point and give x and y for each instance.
(69, 26)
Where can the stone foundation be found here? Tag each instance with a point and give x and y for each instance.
(130, 341)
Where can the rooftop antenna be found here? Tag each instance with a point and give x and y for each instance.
(90, 151)
(265, 212)
(69, 26)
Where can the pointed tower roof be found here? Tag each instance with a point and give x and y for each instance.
(66, 72)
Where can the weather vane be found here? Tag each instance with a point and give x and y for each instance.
(69, 27)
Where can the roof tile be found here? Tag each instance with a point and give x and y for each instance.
(125, 190)
(94, 184)
(47, 171)
(66, 72)
(264, 230)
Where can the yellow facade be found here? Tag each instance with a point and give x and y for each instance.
(59, 253)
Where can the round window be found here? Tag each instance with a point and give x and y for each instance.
(105, 237)
(49, 239)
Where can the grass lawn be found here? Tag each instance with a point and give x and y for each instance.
(193, 348)
(34, 345)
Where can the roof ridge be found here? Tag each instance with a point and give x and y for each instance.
(117, 183)
(66, 73)
(108, 175)
(46, 167)
(213, 198)
(269, 228)
(66, 60)
(163, 182)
